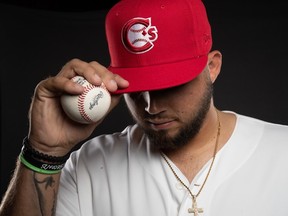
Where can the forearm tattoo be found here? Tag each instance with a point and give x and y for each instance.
(49, 184)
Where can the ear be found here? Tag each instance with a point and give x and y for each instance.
(214, 64)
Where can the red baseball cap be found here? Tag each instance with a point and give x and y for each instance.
(157, 44)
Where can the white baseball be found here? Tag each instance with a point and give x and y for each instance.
(88, 107)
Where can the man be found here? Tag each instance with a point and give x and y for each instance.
(182, 157)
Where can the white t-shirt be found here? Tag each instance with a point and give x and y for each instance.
(118, 175)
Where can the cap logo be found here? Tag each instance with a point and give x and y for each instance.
(138, 35)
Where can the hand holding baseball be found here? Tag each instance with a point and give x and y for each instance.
(88, 107)
(51, 130)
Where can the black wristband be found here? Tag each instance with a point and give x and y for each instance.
(36, 162)
(29, 152)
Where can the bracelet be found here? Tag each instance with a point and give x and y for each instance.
(41, 156)
(37, 169)
(40, 162)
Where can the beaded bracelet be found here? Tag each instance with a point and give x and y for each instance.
(40, 162)
(36, 154)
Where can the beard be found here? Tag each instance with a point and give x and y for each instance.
(161, 141)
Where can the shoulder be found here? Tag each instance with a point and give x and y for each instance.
(107, 145)
(253, 130)
(272, 135)
(252, 122)
(269, 128)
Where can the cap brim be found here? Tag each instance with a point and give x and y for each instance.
(162, 76)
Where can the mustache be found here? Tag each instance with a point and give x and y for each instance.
(148, 116)
(160, 117)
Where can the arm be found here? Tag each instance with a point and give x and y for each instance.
(51, 132)
(30, 193)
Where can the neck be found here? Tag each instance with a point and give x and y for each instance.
(193, 156)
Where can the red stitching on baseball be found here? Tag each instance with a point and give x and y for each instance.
(81, 100)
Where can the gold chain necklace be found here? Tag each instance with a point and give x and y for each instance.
(195, 208)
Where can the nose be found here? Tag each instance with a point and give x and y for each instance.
(146, 97)
(152, 106)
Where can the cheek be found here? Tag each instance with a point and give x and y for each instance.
(183, 112)
(133, 106)
(130, 103)
(184, 106)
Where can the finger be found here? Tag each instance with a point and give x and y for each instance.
(73, 68)
(94, 73)
(78, 67)
(111, 81)
(55, 86)
(121, 82)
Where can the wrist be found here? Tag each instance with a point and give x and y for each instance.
(48, 145)
(41, 162)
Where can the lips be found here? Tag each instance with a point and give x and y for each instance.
(160, 124)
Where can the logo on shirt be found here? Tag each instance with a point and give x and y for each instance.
(138, 35)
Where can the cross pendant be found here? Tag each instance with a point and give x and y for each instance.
(194, 208)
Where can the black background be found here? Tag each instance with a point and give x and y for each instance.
(37, 38)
